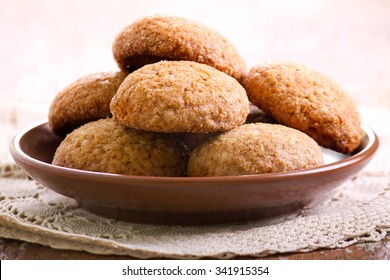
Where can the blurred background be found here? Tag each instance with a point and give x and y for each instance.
(47, 44)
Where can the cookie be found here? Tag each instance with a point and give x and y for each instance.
(156, 38)
(105, 146)
(180, 96)
(305, 99)
(87, 99)
(255, 149)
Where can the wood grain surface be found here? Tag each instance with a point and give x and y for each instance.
(19, 250)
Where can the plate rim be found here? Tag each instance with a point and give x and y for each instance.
(366, 153)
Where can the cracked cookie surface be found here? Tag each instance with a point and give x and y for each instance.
(307, 100)
(105, 146)
(180, 96)
(156, 38)
(87, 99)
(255, 149)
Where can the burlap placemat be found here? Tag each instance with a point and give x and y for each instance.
(358, 211)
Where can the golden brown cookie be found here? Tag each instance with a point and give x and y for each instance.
(87, 99)
(105, 146)
(180, 96)
(156, 38)
(307, 100)
(255, 149)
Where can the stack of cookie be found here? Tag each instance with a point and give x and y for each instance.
(179, 107)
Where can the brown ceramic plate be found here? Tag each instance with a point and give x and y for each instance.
(183, 200)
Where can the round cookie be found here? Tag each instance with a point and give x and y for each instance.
(255, 149)
(156, 38)
(105, 146)
(180, 96)
(302, 98)
(84, 100)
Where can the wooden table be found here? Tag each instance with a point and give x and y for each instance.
(19, 250)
